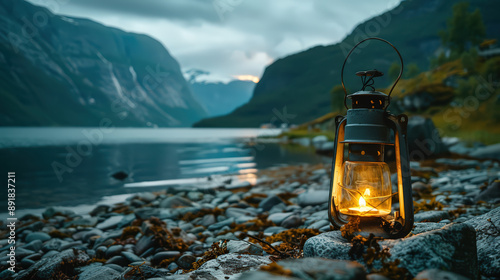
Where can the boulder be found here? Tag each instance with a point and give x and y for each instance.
(242, 247)
(449, 247)
(96, 271)
(488, 152)
(228, 266)
(318, 268)
(423, 139)
(313, 198)
(487, 228)
(47, 267)
(436, 274)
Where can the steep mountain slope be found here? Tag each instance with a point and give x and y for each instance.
(222, 98)
(64, 71)
(299, 85)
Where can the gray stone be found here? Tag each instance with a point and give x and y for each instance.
(238, 212)
(53, 244)
(34, 245)
(490, 194)
(158, 257)
(375, 276)
(273, 230)
(292, 222)
(220, 225)
(423, 138)
(99, 210)
(93, 232)
(114, 250)
(436, 274)
(488, 152)
(174, 202)
(131, 257)
(448, 248)
(186, 261)
(52, 211)
(319, 224)
(119, 260)
(46, 267)
(313, 198)
(488, 242)
(479, 180)
(146, 272)
(270, 201)
(26, 263)
(68, 245)
(98, 272)
(116, 267)
(228, 265)
(83, 222)
(242, 247)
(261, 275)
(110, 223)
(143, 244)
(195, 196)
(431, 216)
(42, 236)
(318, 268)
(21, 253)
(278, 218)
(207, 220)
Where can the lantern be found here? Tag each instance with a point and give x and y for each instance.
(361, 186)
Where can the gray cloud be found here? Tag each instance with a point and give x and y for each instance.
(228, 37)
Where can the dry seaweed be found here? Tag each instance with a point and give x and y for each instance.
(350, 230)
(218, 249)
(375, 254)
(427, 206)
(276, 269)
(191, 216)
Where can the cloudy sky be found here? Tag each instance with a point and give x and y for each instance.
(228, 38)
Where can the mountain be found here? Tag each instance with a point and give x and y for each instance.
(62, 71)
(297, 88)
(222, 98)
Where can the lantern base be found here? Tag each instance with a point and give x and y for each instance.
(383, 227)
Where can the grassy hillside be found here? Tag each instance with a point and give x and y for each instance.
(302, 82)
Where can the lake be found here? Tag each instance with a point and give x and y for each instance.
(74, 166)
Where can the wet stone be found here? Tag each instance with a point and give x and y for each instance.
(42, 236)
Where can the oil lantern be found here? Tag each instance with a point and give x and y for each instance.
(361, 185)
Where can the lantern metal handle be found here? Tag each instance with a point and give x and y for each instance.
(397, 80)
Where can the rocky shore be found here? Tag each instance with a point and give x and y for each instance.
(277, 228)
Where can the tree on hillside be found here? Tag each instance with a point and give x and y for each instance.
(464, 29)
(410, 71)
(337, 97)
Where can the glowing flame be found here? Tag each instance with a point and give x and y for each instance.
(252, 78)
(367, 192)
(362, 201)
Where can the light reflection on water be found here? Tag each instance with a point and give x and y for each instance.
(146, 155)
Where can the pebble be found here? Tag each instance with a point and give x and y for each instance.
(186, 261)
(42, 236)
(100, 236)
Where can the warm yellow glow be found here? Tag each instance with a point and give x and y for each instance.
(252, 78)
(367, 192)
(362, 202)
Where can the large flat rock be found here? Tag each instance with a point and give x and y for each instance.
(487, 228)
(452, 248)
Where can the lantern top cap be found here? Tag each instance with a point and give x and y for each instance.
(370, 73)
(367, 92)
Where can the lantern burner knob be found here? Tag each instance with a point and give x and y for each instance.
(370, 73)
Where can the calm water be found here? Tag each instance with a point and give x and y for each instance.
(73, 166)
